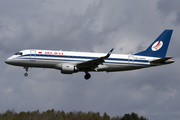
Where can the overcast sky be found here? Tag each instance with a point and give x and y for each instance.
(129, 26)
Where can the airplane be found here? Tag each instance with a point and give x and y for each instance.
(70, 62)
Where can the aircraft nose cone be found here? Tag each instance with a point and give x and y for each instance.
(8, 61)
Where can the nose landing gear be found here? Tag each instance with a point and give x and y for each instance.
(26, 68)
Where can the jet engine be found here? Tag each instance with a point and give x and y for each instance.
(68, 69)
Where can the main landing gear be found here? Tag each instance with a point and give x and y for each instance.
(26, 74)
(87, 75)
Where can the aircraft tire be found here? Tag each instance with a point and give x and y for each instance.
(87, 76)
(26, 74)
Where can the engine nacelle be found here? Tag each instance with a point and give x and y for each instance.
(68, 69)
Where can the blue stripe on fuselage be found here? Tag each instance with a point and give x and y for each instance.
(119, 60)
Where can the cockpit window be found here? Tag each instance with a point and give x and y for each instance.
(18, 53)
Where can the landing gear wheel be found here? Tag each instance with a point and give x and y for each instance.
(87, 76)
(26, 68)
(26, 74)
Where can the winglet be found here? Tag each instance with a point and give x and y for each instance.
(109, 53)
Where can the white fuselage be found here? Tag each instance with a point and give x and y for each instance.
(50, 59)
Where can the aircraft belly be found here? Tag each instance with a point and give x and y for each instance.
(122, 67)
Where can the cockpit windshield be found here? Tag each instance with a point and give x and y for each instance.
(18, 53)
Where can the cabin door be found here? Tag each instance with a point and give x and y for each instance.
(131, 60)
(33, 55)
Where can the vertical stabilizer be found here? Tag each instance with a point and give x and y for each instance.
(159, 47)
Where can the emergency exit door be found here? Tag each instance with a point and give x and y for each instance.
(33, 55)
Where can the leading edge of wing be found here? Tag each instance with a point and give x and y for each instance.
(95, 62)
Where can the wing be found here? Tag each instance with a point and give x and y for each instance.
(92, 64)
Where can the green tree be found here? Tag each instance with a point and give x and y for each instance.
(133, 116)
(61, 115)
(105, 116)
(116, 118)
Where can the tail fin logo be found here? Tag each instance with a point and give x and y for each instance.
(157, 45)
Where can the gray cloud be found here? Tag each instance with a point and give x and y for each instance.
(96, 26)
(170, 8)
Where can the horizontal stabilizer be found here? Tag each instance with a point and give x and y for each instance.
(162, 60)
